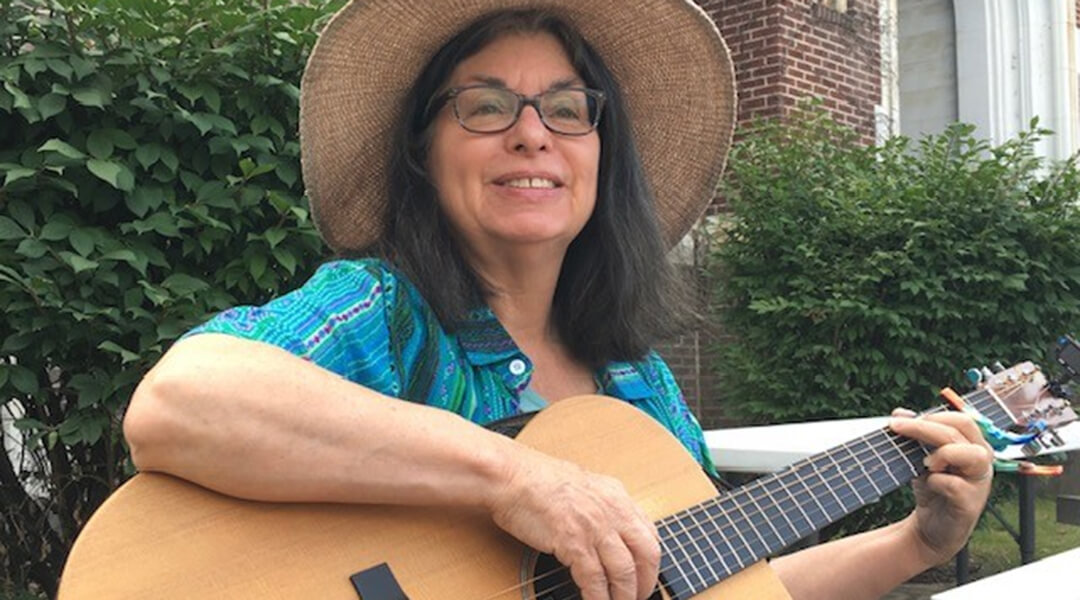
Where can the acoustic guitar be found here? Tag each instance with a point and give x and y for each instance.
(163, 538)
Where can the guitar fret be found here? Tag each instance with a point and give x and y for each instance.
(843, 475)
(711, 534)
(762, 514)
(823, 475)
(690, 567)
(759, 551)
(794, 509)
(862, 472)
(728, 534)
(678, 583)
(882, 461)
(900, 451)
(820, 501)
(815, 513)
(702, 555)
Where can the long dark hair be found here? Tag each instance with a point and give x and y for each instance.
(616, 295)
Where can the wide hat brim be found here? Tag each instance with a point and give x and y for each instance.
(667, 55)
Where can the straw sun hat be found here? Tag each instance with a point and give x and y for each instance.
(667, 55)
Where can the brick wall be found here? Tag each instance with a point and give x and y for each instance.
(783, 50)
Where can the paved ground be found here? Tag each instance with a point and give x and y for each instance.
(916, 591)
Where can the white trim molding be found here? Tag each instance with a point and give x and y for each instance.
(1016, 59)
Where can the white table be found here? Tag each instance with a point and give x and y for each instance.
(1052, 577)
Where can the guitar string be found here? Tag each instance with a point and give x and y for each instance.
(912, 444)
(744, 490)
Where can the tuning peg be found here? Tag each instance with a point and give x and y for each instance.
(974, 377)
(997, 366)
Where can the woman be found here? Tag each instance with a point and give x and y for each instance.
(481, 161)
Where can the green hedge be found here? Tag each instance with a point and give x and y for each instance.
(150, 177)
(851, 280)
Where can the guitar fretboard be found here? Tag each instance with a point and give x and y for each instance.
(708, 542)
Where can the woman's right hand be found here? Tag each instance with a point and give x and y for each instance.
(588, 522)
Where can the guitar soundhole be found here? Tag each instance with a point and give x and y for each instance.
(552, 581)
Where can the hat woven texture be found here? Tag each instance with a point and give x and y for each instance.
(667, 55)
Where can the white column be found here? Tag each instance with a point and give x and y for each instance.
(1016, 59)
(887, 112)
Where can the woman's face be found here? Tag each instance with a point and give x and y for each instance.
(525, 185)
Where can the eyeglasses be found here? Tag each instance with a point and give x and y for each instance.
(490, 109)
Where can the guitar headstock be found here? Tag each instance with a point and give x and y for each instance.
(1027, 399)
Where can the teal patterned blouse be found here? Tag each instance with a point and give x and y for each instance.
(366, 322)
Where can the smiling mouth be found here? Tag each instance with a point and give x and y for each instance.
(530, 183)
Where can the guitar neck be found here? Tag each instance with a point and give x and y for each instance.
(715, 539)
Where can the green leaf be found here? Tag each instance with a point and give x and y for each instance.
(285, 259)
(64, 148)
(22, 213)
(92, 96)
(143, 199)
(82, 241)
(259, 170)
(16, 174)
(31, 248)
(4, 369)
(169, 159)
(274, 236)
(125, 255)
(163, 223)
(23, 379)
(100, 144)
(211, 97)
(30, 114)
(184, 285)
(60, 67)
(257, 266)
(28, 424)
(201, 121)
(126, 356)
(51, 105)
(220, 122)
(81, 66)
(56, 230)
(10, 230)
(147, 155)
(286, 172)
(122, 139)
(260, 124)
(62, 184)
(33, 67)
(78, 263)
(21, 100)
(113, 173)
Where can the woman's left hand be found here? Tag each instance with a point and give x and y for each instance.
(951, 495)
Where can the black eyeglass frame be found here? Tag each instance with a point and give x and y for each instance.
(597, 96)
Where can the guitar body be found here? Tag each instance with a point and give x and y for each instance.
(162, 537)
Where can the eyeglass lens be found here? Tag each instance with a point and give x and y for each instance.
(492, 109)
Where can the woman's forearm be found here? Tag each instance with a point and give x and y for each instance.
(252, 420)
(858, 567)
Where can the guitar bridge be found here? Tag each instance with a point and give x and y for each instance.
(377, 583)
